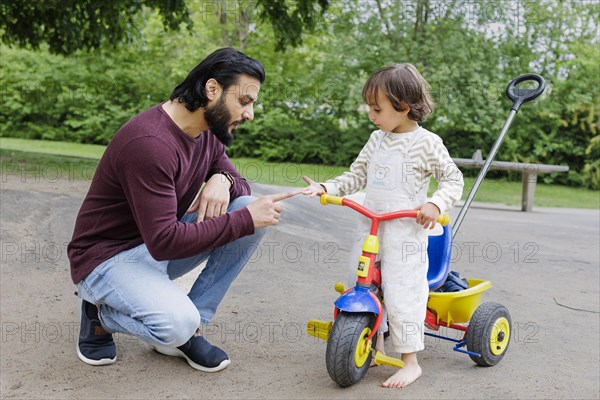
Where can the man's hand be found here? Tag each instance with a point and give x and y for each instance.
(428, 214)
(266, 210)
(313, 189)
(213, 199)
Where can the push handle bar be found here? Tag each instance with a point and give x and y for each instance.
(443, 219)
(519, 96)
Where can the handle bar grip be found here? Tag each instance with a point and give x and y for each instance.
(443, 219)
(329, 199)
(521, 96)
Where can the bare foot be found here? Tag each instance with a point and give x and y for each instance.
(379, 347)
(407, 375)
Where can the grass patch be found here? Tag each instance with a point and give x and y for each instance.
(79, 150)
(509, 193)
(283, 174)
(37, 167)
(53, 161)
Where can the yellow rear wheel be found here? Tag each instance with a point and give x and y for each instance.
(488, 334)
(500, 336)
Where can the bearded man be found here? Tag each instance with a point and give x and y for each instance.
(165, 198)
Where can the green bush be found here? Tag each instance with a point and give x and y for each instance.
(280, 136)
(84, 98)
(307, 111)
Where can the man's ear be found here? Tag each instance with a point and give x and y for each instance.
(212, 89)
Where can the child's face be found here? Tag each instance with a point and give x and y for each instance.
(385, 116)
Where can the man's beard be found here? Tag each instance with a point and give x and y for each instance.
(219, 119)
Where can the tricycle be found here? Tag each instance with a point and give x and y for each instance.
(485, 328)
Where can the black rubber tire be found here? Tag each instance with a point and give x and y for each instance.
(341, 347)
(480, 331)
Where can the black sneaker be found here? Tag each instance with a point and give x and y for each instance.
(200, 354)
(95, 346)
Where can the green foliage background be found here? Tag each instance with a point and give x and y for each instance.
(308, 109)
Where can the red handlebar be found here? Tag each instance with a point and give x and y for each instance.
(443, 219)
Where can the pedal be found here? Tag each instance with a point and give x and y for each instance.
(319, 329)
(382, 359)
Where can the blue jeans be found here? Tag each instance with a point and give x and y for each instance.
(135, 293)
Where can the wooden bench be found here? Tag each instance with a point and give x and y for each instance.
(529, 173)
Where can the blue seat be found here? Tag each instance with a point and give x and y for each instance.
(439, 250)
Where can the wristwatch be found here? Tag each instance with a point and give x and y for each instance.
(228, 176)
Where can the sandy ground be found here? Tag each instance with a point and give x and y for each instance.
(544, 266)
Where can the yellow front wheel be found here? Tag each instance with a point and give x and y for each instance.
(489, 333)
(363, 348)
(349, 353)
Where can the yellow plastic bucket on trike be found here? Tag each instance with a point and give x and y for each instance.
(457, 307)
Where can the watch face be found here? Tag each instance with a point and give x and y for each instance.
(228, 176)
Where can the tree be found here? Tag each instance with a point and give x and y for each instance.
(310, 107)
(70, 25)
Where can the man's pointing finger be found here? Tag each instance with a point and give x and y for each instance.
(285, 195)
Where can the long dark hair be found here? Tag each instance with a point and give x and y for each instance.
(225, 66)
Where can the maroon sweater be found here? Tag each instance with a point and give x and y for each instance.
(146, 180)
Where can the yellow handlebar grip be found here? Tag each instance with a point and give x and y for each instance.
(443, 219)
(329, 199)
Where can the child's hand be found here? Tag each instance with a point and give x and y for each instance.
(428, 214)
(313, 189)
